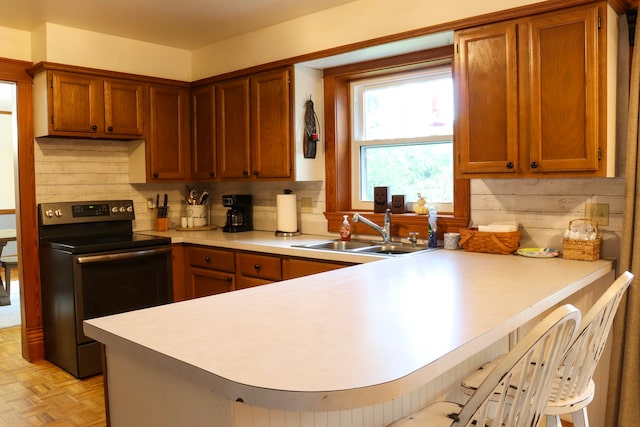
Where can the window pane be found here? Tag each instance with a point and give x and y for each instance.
(409, 170)
(408, 109)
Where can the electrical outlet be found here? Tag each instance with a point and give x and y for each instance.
(598, 212)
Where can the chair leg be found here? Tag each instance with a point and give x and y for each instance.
(553, 421)
(580, 418)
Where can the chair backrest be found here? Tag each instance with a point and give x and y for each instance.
(517, 387)
(582, 357)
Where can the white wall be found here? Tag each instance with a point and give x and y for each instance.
(7, 195)
(343, 25)
(15, 44)
(56, 43)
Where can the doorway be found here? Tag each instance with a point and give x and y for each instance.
(10, 313)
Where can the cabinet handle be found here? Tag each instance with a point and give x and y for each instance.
(257, 266)
(94, 128)
(245, 172)
(229, 278)
(155, 174)
(534, 165)
(212, 174)
(207, 259)
(256, 173)
(509, 165)
(110, 128)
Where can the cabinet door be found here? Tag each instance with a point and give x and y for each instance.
(486, 91)
(168, 145)
(563, 96)
(124, 107)
(271, 133)
(209, 282)
(233, 128)
(76, 104)
(297, 267)
(204, 156)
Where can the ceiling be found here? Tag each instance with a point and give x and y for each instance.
(184, 24)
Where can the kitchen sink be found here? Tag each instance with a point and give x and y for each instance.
(339, 245)
(395, 249)
(366, 247)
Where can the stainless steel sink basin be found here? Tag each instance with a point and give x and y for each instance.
(366, 247)
(338, 245)
(396, 249)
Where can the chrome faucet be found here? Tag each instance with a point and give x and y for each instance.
(385, 230)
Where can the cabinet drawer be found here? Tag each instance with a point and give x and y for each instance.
(217, 259)
(256, 265)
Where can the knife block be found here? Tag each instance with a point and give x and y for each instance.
(161, 223)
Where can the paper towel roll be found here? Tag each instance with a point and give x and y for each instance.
(287, 213)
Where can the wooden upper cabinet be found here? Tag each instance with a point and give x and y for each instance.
(531, 96)
(124, 107)
(486, 81)
(233, 128)
(564, 92)
(75, 103)
(271, 132)
(204, 150)
(83, 105)
(168, 143)
(254, 121)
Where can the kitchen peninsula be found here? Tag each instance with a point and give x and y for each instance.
(363, 345)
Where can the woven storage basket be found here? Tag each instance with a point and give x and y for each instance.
(504, 243)
(583, 250)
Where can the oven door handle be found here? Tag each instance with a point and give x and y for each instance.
(122, 255)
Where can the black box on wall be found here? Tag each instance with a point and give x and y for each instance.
(380, 199)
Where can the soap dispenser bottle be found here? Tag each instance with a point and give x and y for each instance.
(345, 229)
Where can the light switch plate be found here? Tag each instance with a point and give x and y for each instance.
(598, 212)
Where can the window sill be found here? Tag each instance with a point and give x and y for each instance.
(401, 224)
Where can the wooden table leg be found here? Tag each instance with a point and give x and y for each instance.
(4, 294)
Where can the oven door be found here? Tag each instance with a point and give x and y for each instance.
(114, 282)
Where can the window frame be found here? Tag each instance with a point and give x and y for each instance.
(338, 147)
(357, 89)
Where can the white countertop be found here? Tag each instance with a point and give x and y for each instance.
(268, 242)
(350, 337)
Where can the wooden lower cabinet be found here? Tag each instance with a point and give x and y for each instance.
(257, 269)
(300, 267)
(208, 270)
(209, 282)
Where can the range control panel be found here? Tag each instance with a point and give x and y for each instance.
(81, 212)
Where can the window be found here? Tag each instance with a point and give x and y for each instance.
(402, 136)
(339, 145)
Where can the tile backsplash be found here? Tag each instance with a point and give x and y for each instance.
(70, 169)
(84, 169)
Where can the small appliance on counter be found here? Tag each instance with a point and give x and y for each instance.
(240, 213)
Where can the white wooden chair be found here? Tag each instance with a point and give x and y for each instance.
(573, 388)
(521, 393)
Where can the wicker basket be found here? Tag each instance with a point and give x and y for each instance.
(504, 243)
(583, 250)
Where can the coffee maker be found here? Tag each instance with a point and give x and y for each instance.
(240, 213)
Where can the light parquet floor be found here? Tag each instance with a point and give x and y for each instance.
(41, 394)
